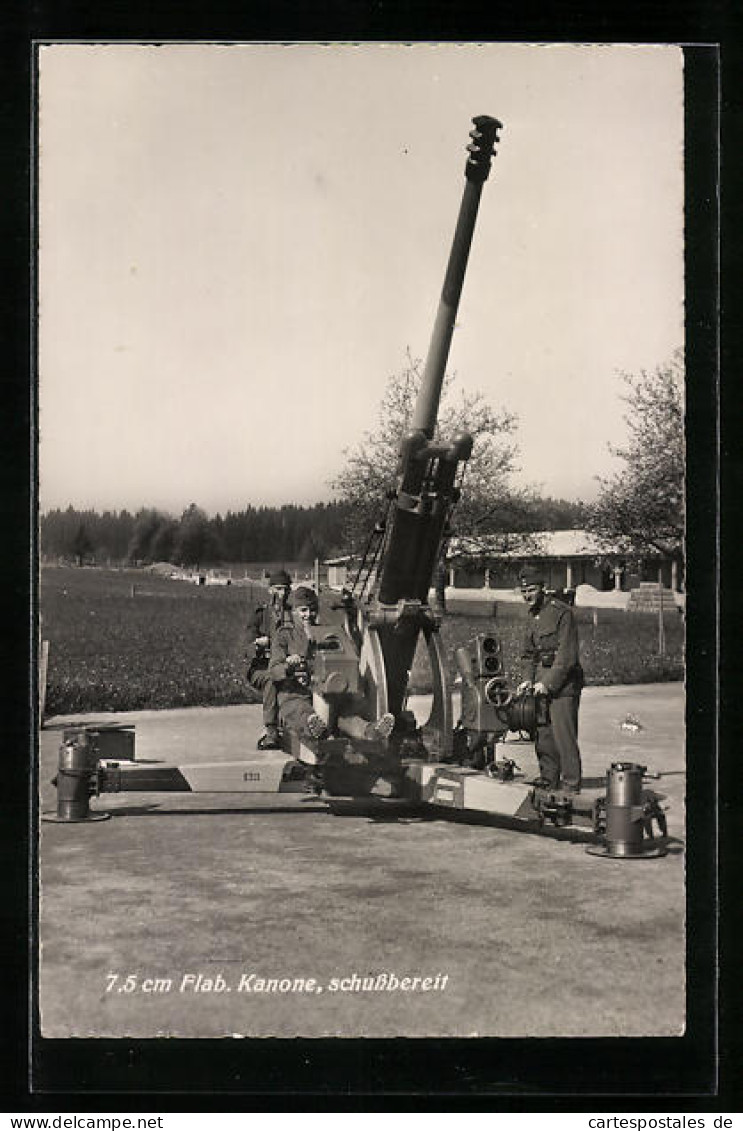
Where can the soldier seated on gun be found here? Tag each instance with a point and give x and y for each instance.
(290, 669)
(265, 621)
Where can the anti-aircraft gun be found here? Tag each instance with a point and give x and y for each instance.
(393, 612)
(387, 614)
(387, 610)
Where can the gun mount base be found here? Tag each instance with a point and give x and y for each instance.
(620, 818)
(509, 797)
(648, 851)
(339, 767)
(62, 819)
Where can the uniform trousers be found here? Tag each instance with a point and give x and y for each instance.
(260, 681)
(295, 709)
(557, 744)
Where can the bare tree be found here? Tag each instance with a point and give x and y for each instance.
(371, 466)
(642, 506)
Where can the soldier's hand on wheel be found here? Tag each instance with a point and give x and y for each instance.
(540, 689)
(522, 687)
(294, 660)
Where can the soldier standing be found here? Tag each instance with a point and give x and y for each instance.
(266, 620)
(551, 666)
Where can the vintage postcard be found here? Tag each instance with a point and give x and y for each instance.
(361, 540)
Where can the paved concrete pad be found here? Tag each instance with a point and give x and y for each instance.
(508, 933)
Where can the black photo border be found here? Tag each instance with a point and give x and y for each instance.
(696, 1071)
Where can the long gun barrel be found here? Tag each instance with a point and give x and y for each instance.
(426, 486)
(484, 138)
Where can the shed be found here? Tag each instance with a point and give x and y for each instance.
(338, 569)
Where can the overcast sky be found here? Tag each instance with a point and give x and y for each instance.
(239, 244)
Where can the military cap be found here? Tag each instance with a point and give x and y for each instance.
(279, 577)
(304, 596)
(531, 575)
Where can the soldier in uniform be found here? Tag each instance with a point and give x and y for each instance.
(290, 670)
(551, 667)
(264, 623)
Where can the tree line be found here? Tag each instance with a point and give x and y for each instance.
(255, 534)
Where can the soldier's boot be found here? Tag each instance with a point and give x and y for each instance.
(270, 739)
(317, 727)
(381, 729)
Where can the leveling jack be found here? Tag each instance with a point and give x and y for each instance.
(76, 773)
(625, 819)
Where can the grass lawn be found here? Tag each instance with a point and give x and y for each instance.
(123, 640)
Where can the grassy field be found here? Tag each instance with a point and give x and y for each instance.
(125, 640)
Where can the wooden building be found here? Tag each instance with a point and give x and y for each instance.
(569, 558)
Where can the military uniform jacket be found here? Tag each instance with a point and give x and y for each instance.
(289, 640)
(550, 653)
(265, 621)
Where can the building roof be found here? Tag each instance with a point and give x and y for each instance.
(540, 544)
